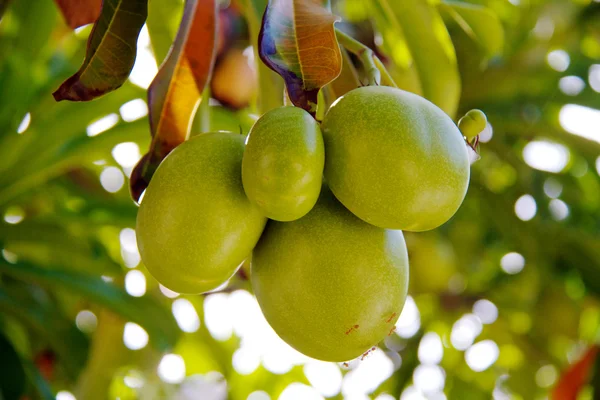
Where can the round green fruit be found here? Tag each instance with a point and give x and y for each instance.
(394, 158)
(329, 284)
(195, 225)
(473, 123)
(282, 168)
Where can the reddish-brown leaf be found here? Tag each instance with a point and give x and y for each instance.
(79, 12)
(297, 40)
(111, 51)
(177, 88)
(575, 377)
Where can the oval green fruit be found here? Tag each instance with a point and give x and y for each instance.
(329, 284)
(395, 159)
(195, 225)
(282, 168)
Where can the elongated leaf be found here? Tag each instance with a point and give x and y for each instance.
(177, 88)
(479, 22)
(70, 344)
(79, 12)
(431, 49)
(163, 19)
(297, 40)
(345, 82)
(111, 51)
(158, 321)
(270, 84)
(40, 384)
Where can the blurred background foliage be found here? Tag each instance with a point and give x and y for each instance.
(504, 299)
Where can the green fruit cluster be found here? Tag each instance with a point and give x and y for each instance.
(330, 267)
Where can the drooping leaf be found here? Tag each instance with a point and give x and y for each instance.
(297, 40)
(158, 321)
(175, 92)
(12, 378)
(430, 47)
(479, 22)
(111, 51)
(345, 82)
(79, 12)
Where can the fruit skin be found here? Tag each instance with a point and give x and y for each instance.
(395, 159)
(473, 123)
(282, 168)
(195, 225)
(330, 285)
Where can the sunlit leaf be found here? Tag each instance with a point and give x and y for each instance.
(431, 49)
(177, 88)
(158, 321)
(163, 19)
(479, 22)
(79, 12)
(345, 82)
(297, 40)
(111, 51)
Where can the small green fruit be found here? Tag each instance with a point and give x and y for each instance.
(330, 285)
(395, 159)
(472, 124)
(282, 168)
(195, 225)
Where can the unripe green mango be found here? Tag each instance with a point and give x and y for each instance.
(330, 285)
(282, 168)
(394, 158)
(195, 224)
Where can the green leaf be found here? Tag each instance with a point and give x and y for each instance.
(145, 311)
(163, 19)
(40, 384)
(63, 336)
(479, 22)
(79, 12)
(430, 47)
(270, 84)
(177, 88)
(12, 378)
(111, 51)
(298, 41)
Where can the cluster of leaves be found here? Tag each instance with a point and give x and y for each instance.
(60, 234)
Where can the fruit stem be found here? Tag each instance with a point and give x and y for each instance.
(386, 78)
(365, 54)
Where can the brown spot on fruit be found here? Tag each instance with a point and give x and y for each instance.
(391, 318)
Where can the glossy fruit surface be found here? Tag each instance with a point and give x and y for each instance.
(330, 285)
(282, 168)
(195, 225)
(395, 159)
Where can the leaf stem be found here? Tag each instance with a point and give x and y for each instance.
(365, 54)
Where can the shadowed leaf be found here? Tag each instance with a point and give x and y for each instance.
(158, 321)
(111, 51)
(177, 88)
(479, 22)
(297, 40)
(79, 12)
(345, 82)
(43, 317)
(12, 379)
